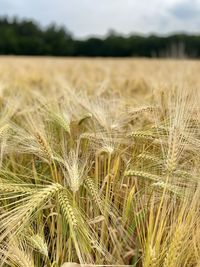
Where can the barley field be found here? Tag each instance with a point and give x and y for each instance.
(100, 162)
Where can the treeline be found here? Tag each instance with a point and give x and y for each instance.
(25, 37)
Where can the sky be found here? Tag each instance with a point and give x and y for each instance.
(96, 17)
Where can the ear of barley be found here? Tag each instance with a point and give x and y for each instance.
(142, 174)
(15, 255)
(15, 188)
(3, 130)
(173, 150)
(84, 118)
(38, 199)
(27, 210)
(45, 148)
(94, 192)
(38, 243)
(149, 157)
(138, 111)
(143, 135)
(62, 122)
(67, 209)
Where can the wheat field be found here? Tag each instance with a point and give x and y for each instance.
(100, 162)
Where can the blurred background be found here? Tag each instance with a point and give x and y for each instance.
(106, 28)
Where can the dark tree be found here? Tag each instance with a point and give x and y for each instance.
(26, 37)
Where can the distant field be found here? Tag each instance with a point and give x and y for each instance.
(124, 77)
(100, 162)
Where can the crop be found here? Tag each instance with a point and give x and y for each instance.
(99, 165)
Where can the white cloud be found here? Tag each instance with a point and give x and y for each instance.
(85, 17)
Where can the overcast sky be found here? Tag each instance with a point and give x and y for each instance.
(96, 17)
